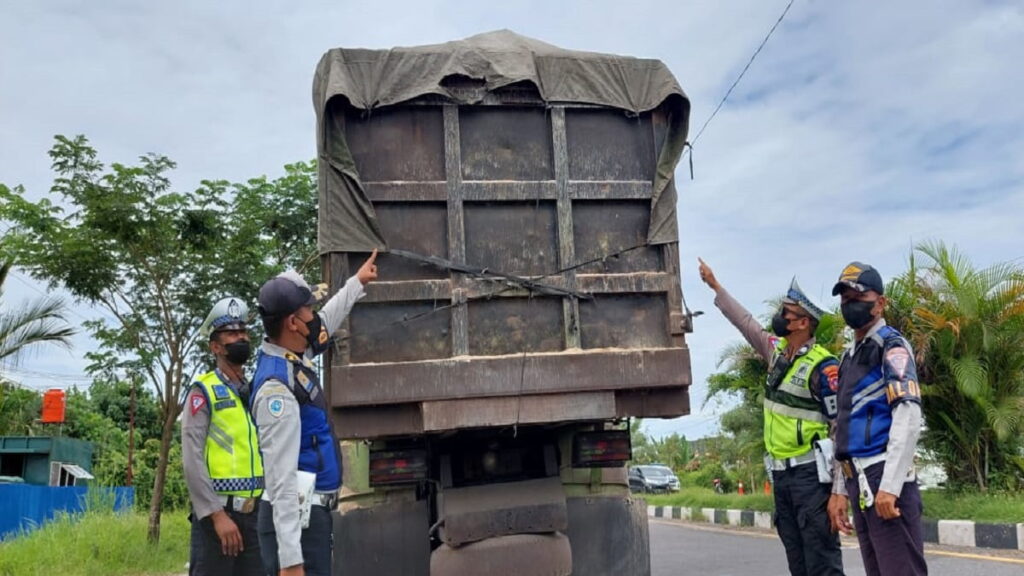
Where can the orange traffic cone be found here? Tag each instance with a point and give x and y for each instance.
(767, 487)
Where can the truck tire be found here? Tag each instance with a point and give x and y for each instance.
(515, 555)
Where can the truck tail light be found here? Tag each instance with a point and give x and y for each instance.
(397, 467)
(602, 449)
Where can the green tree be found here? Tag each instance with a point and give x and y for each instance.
(154, 260)
(967, 328)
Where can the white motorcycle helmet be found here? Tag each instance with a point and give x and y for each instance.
(230, 313)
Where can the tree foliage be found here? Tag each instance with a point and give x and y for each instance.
(154, 260)
(966, 325)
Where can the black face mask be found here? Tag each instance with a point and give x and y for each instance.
(857, 313)
(238, 352)
(315, 328)
(780, 326)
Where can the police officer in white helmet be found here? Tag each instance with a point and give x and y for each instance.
(220, 452)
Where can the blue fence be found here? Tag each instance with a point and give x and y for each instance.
(25, 507)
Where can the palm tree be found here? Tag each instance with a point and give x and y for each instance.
(41, 321)
(967, 328)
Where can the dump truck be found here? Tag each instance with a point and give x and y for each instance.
(528, 303)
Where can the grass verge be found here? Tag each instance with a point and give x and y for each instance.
(988, 508)
(107, 543)
(938, 504)
(705, 498)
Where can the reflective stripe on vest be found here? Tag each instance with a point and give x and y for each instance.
(232, 452)
(792, 418)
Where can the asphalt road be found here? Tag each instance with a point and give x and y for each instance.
(683, 549)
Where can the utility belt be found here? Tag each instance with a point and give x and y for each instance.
(787, 463)
(327, 500)
(820, 454)
(238, 504)
(855, 466)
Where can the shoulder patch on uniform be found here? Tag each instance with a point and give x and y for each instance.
(898, 359)
(274, 387)
(196, 401)
(275, 405)
(832, 375)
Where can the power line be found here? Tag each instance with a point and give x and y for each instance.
(31, 286)
(740, 77)
(45, 374)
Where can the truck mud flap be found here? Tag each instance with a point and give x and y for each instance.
(481, 512)
(387, 539)
(609, 536)
(515, 555)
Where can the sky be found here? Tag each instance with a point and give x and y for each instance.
(861, 129)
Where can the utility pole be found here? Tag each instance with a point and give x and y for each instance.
(131, 429)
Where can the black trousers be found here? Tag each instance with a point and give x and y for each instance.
(206, 558)
(890, 547)
(317, 541)
(801, 518)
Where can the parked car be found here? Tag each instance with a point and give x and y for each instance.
(652, 478)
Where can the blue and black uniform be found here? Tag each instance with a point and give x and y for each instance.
(876, 435)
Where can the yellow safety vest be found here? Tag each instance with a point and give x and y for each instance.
(792, 417)
(232, 451)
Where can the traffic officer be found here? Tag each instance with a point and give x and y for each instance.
(294, 420)
(220, 453)
(799, 401)
(877, 429)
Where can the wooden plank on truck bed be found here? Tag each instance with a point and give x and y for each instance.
(534, 409)
(378, 421)
(651, 403)
(484, 376)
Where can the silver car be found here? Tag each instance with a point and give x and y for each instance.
(653, 478)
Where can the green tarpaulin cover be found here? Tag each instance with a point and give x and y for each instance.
(371, 79)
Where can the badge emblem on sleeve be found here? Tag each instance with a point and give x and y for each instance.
(898, 359)
(276, 407)
(196, 401)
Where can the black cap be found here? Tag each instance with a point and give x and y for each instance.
(284, 294)
(861, 277)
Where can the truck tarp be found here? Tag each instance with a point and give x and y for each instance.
(371, 79)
